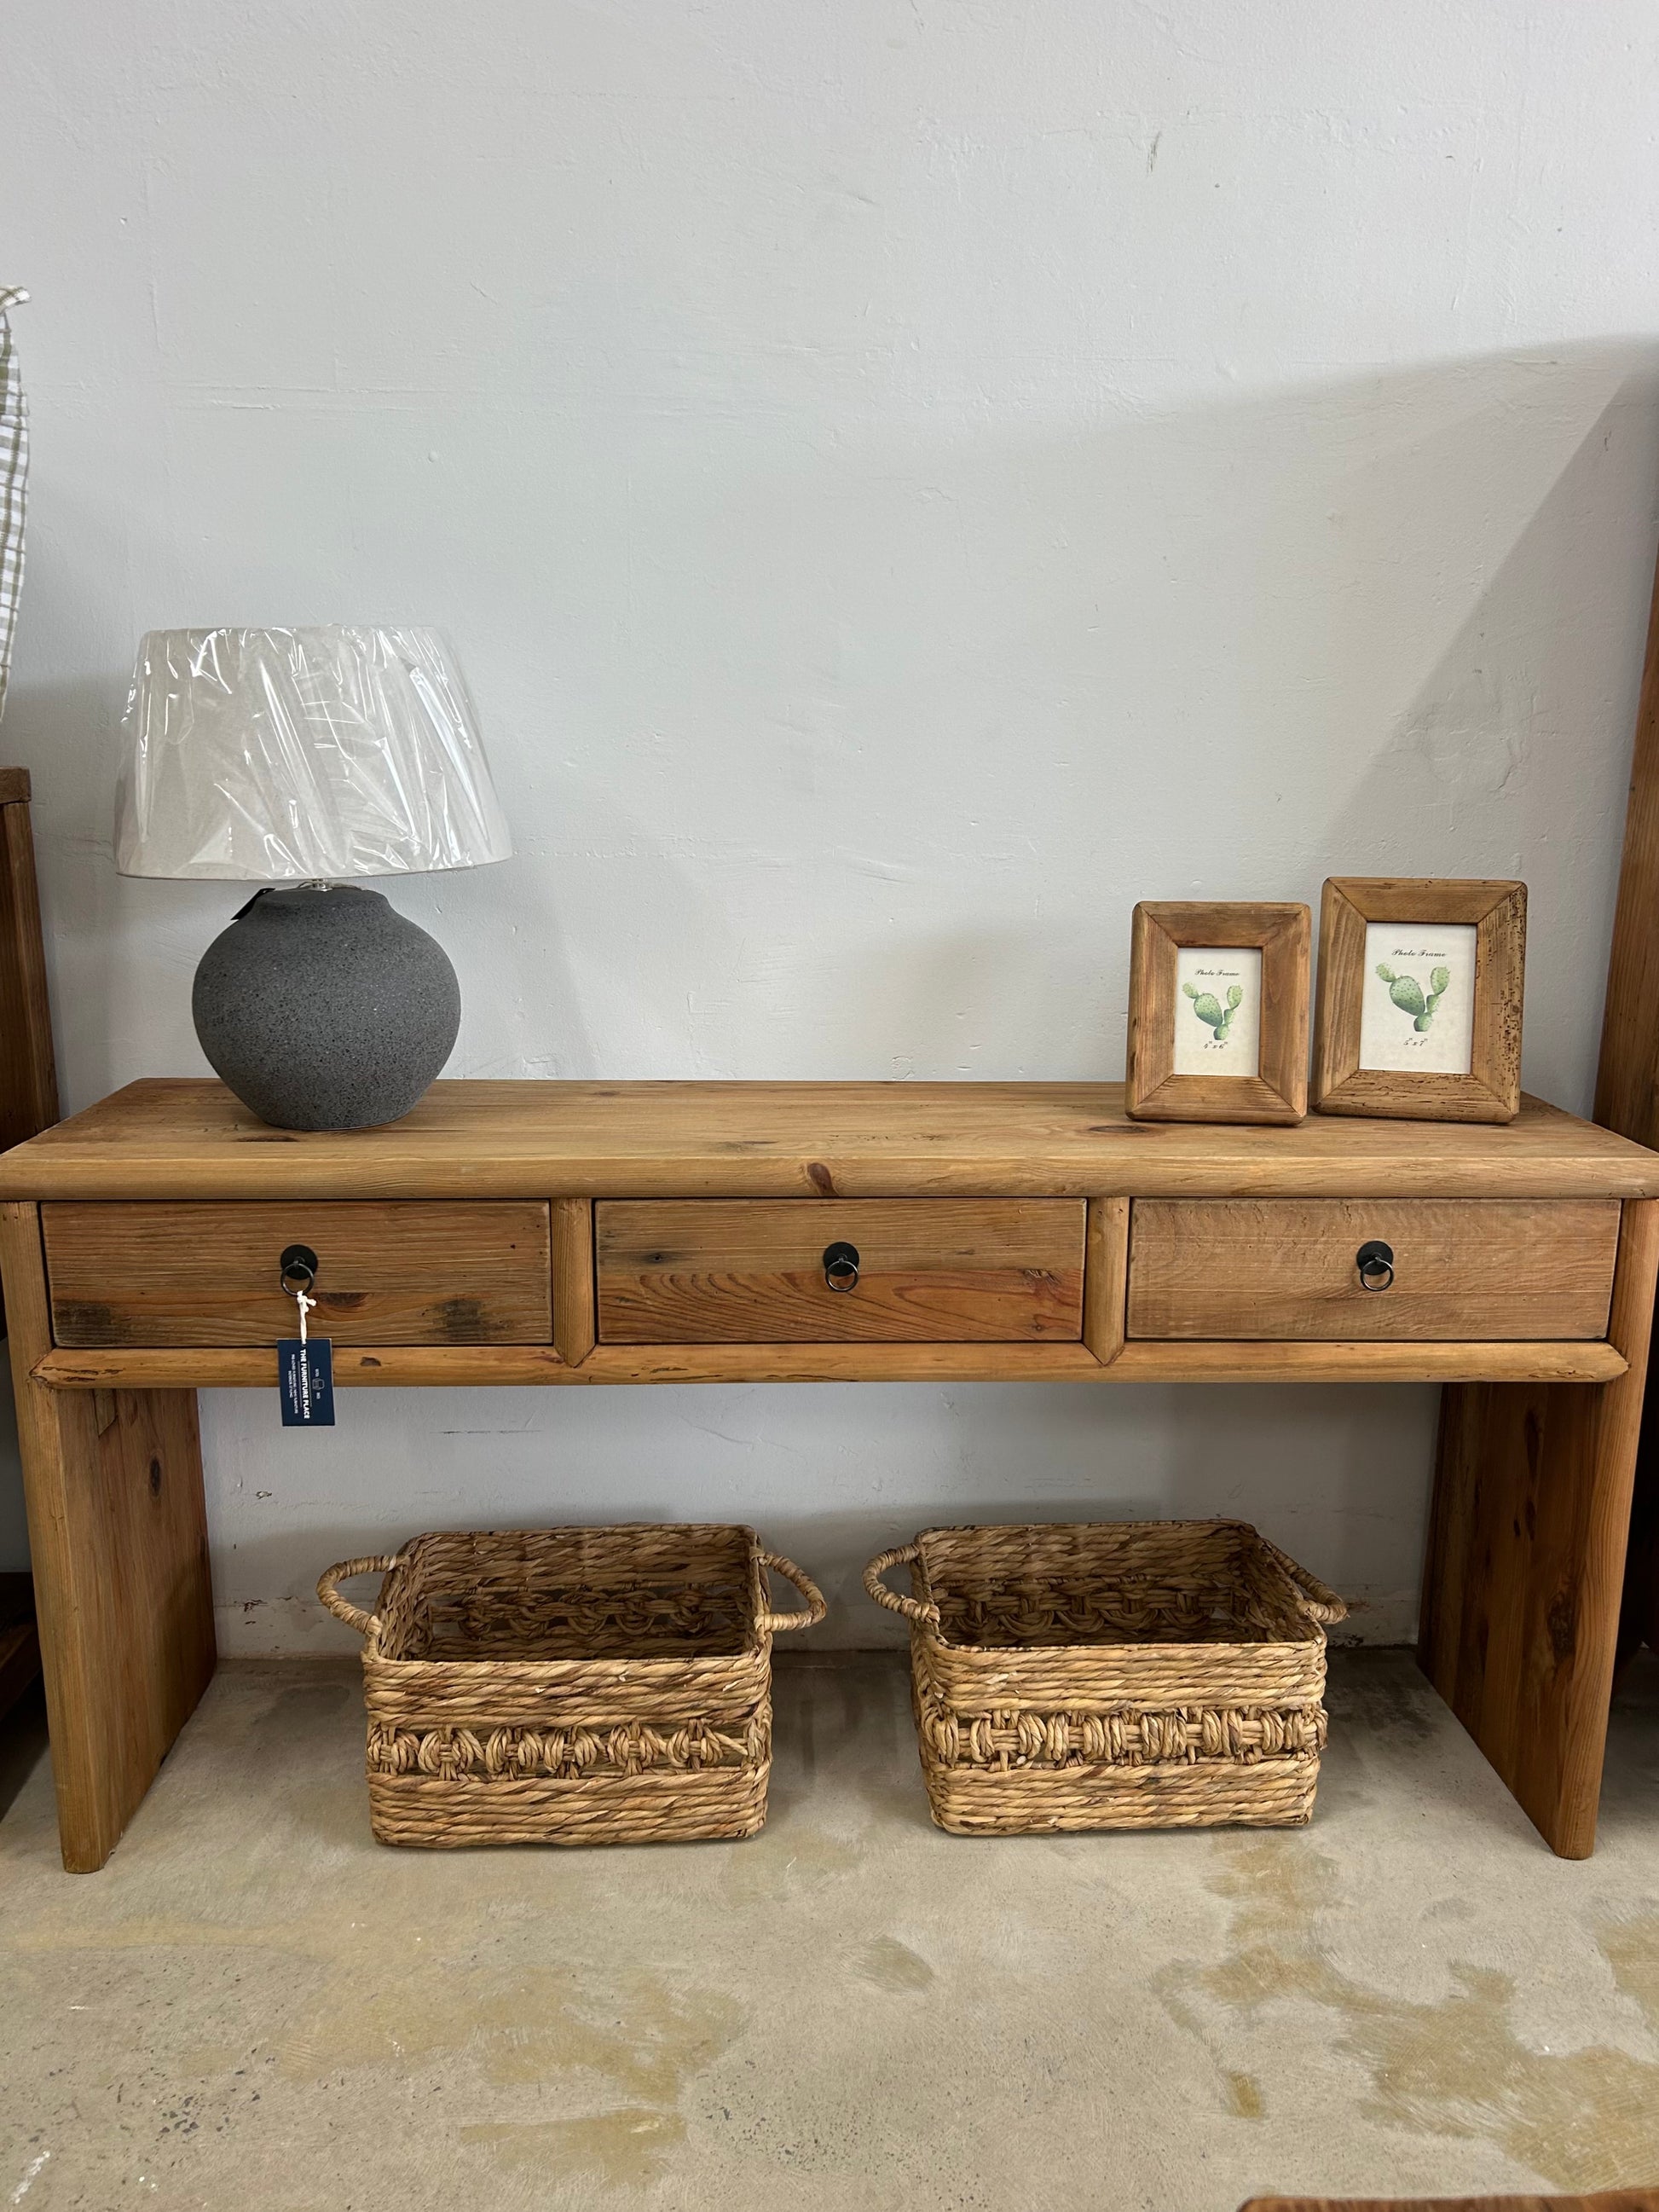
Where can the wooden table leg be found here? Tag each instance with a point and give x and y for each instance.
(118, 1533)
(1526, 1560)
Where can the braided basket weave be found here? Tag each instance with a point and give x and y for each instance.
(1118, 1674)
(570, 1685)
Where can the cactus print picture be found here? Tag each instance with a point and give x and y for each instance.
(1418, 1007)
(1217, 1010)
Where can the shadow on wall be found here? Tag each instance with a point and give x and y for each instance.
(1493, 768)
(1391, 629)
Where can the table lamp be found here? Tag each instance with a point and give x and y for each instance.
(296, 757)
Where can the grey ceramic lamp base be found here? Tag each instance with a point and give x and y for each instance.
(323, 1008)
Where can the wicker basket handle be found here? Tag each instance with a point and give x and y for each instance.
(911, 1608)
(328, 1590)
(778, 1624)
(1318, 1602)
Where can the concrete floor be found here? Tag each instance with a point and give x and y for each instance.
(254, 2006)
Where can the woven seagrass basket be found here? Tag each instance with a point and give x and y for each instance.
(1126, 1675)
(570, 1685)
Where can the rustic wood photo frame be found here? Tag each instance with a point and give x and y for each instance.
(1490, 1090)
(1278, 1092)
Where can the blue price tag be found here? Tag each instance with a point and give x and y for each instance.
(305, 1377)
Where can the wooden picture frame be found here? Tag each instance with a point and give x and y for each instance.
(1165, 1083)
(1489, 923)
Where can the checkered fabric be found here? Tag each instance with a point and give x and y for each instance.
(14, 470)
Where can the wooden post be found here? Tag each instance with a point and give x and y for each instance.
(1105, 1277)
(28, 1081)
(28, 1104)
(1626, 1098)
(117, 1530)
(28, 1075)
(574, 1335)
(1526, 1556)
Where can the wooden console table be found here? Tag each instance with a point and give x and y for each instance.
(575, 1233)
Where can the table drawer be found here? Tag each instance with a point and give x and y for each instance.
(1466, 1270)
(410, 1271)
(928, 1271)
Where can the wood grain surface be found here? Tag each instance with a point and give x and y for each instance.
(398, 1366)
(117, 1538)
(1465, 1268)
(574, 1321)
(941, 1270)
(180, 1138)
(1525, 1559)
(1278, 1091)
(1541, 1442)
(1106, 1277)
(422, 1272)
(1491, 1092)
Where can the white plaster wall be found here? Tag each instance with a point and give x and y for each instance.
(906, 479)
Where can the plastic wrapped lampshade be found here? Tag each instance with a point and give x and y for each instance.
(294, 755)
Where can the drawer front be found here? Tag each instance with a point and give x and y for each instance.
(929, 1271)
(415, 1271)
(1466, 1270)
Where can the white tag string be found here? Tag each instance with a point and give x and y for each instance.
(305, 1305)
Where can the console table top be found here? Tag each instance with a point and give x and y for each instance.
(182, 1137)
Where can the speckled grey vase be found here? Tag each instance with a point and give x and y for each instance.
(326, 1009)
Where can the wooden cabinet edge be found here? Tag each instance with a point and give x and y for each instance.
(1521, 1570)
(119, 1535)
(1338, 1176)
(574, 1284)
(398, 1366)
(1105, 1277)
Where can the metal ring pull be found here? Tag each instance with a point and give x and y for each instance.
(296, 1270)
(1375, 1262)
(841, 1267)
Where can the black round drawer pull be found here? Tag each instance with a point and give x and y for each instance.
(1375, 1262)
(841, 1267)
(297, 1269)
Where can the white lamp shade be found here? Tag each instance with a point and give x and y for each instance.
(284, 755)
